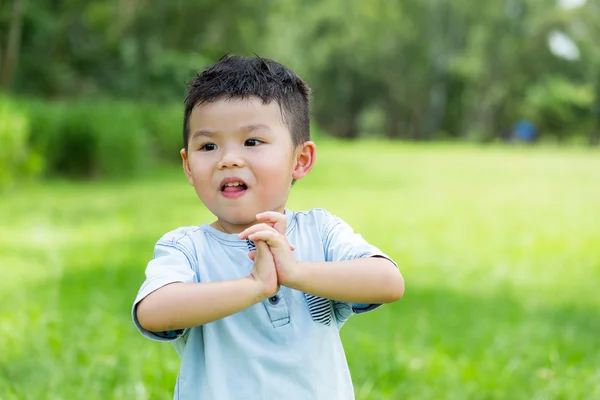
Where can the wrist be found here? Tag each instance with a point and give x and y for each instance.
(258, 291)
(295, 275)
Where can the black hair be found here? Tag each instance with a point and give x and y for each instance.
(239, 77)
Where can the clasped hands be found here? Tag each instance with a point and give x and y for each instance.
(274, 263)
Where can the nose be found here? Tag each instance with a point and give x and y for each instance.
(231, 159)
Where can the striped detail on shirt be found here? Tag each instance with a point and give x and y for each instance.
(320, 309)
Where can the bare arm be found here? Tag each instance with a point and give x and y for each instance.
(185, 305)
(365, 280)
(373, 280)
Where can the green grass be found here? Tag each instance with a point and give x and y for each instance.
(500, 249)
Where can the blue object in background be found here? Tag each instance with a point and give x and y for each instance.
(525, 131)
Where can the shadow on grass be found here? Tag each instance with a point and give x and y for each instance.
(78, 341)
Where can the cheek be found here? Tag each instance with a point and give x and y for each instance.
(275, 171)
(275, 175)
(280, 162)
(201, 173)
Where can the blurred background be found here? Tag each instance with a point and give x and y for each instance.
(412, 70)
(462, 135)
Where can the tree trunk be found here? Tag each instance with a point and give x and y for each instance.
(347, 127)
(13, 44)
(392, 126)
(394, 119)
(439, 53)
(416, 122)
(338, 123)
(438, 98)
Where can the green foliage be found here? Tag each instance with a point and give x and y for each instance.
(499, 253)
(17, 161)
(559, 106)
(104, 138)
(92, 139)
(164, 124)
(458, 69)
(126, 48)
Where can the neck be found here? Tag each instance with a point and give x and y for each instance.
(231, 229)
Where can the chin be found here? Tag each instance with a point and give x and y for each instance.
(237, 218)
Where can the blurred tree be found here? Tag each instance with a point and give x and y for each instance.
(417, 69)
(584, 27)
(132, 48)
(13, 44)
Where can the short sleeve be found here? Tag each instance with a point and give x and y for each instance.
(342, 243)
(172, 262)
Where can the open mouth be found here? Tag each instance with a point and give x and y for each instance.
(234, 187)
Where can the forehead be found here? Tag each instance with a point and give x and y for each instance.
(228, 115)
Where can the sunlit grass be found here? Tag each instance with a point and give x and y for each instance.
(498, 246)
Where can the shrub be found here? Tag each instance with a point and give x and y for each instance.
(165, 126)
(91, 138)
(559, 106)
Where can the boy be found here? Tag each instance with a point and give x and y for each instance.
(253, 302)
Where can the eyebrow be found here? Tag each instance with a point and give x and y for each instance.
(247, 128)
(256, 127)
(203, 132)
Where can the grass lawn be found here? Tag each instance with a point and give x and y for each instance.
(500, 249)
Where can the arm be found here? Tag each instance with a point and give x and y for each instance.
(362, 280)
(184, 305)
(173, 299)
(354, 270)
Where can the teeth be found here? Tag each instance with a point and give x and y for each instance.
(234, 184)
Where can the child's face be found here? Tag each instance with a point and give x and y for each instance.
(241, 160)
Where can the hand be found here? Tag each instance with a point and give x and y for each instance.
(264, 272)
(276, 222)
(272, 232)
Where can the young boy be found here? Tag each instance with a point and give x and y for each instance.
(253, 302)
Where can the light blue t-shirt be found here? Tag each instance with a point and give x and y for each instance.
(286, 347)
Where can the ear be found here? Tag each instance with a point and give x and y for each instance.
(304, 157)
(186, 166)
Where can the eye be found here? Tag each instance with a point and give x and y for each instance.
(208, 147)
(253, 142)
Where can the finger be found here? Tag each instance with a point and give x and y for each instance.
(273, 239)
(262, 250)
(253, 229)
(278, 219)
(275, 219)
(252, 254)
(277, 246)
